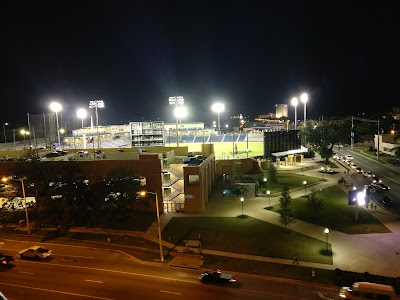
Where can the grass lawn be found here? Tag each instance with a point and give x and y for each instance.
(268, 269)
(293, 180)
(336, 213)
(245, 235)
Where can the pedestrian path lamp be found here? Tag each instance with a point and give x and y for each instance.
(142, 194)
(24, 196)
(305, 187)
(242, 200)
(269, 199)
(326, 233)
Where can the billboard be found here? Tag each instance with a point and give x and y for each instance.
(358, 197)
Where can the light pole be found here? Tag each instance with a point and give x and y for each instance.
(294, 103)
(218, 108)
(97, 104)
(327, 247)
(269, 199)
(56, 107)
(175, 101)
(304, 99)
(82, 114)
(24, 133)
(143, 193)
(305, 187)
(24, 196)
(242, 200)
(4, 130)
(179, 112)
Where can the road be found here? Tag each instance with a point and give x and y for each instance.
(80, 272)
(389, 175)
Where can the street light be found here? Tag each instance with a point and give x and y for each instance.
(175, 101)
(242, 200)
(24, 133)
(143, 193)
(327, 232)
(269, 199)
(23, 194)
(218, 108)
(294, 103)
(305, 187)
(4, 130)
(97, 104)
(304, 99)
(82, 114)
(56, 107)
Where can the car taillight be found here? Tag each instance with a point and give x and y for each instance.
(232, 280)
(4, 262)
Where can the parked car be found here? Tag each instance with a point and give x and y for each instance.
(367, 174)
(53, 154)
(35, 252)
(385, 201)
(375, 179)
(358, 170)
(349, 157)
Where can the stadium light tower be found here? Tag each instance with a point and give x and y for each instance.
(304, 99)
(56, 107)
(97, 104)
(294, 103)
(218, 108)
(178, 100)
(82, 114)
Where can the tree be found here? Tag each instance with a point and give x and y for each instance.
(286, 211)
(272, 173)
(325, 134)
(314, 201)
(118, 190)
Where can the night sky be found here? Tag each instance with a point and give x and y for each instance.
(250, 55)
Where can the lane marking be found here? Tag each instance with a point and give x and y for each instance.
(269, 293)
(54, 291)
(66, 256)
(168, 292)
(22, 272)
(96, 281)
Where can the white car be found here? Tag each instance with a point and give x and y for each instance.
(349, 157)
(35, 252)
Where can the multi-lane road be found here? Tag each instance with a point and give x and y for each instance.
(80, 272)
(390, 175)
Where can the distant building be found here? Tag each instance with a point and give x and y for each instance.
(281, 111)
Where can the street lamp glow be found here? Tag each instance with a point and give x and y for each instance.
(180, 112)
(304, 99)
(269, 200)
(295, 102)
(82, 114)
(327, 246)
(305, 187)
(218, 108)
(242, 200)
(56, 107)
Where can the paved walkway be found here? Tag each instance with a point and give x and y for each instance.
(374, 253)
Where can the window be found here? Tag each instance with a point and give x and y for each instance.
(193, 180)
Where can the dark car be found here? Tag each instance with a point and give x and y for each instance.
(217, 277)
(53, 154)
(381, 186)
(385, 201)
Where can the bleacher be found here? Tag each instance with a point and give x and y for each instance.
(200, 139)
(214, 138)
(186, 139)
(242, 137)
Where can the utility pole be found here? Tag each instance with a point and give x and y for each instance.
(352, 133)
